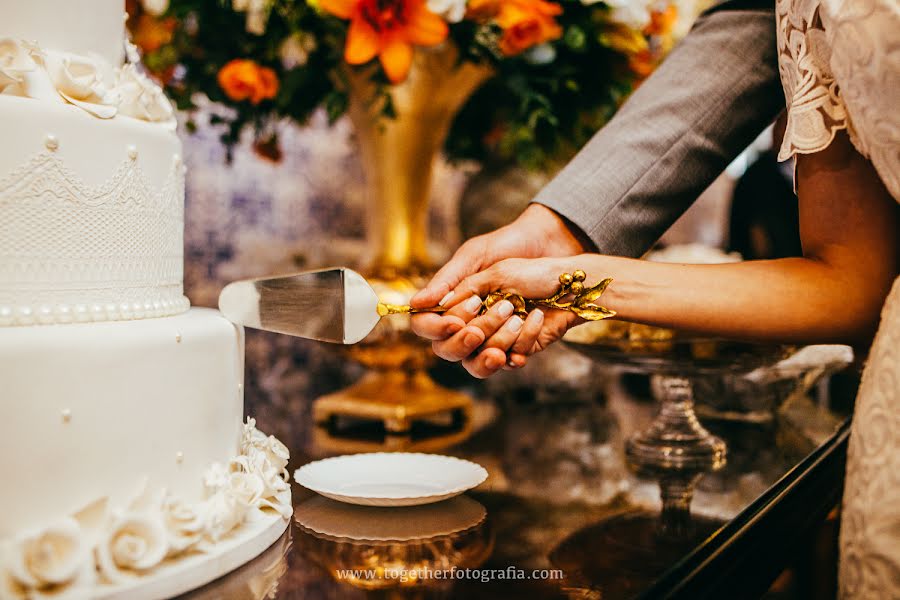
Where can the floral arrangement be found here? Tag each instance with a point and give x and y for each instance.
(560, 67)
(105, 545)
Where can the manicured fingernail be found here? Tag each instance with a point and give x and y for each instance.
(471, 340)
(538, 316)
(453, 328)
(515, 324)
(511, 364)
(473, 304)
(447, 298)
(505, 308)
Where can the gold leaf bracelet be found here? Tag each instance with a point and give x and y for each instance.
(584, 301)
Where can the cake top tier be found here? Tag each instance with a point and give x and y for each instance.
(86, 27)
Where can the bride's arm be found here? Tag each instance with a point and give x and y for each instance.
(849, 229)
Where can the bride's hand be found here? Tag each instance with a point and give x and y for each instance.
(498, 339)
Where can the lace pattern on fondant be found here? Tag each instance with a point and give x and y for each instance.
(70, 251)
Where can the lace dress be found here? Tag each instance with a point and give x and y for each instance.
(840, 67)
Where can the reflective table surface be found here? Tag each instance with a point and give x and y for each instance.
(563, 514)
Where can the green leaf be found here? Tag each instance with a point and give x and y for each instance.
(335, 105)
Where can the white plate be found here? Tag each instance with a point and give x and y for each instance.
(390, 478)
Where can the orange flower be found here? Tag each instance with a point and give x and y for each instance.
(387, 29)
(642, 63)
(662, 21)
(244, 79)
(151, 33)
(527, 23)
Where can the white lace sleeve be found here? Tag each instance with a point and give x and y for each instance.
(840, 68)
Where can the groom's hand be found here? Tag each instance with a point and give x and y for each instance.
(538, 232)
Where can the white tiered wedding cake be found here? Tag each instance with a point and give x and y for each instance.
(126, 469)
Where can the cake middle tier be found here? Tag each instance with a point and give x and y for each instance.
(98, 410)
(91, 216)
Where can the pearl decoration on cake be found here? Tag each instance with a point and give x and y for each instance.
(50, 142)
(26, 315)
(132, 152)
(45, 314)
(64, 314)
(81, 313)
(66, 415)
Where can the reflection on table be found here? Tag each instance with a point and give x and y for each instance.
(564, 513)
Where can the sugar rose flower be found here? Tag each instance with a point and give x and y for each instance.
(222, 512)
(15, 61)
(79, 81)
(243, 79)
(142, 99)
(216, 477)
(135, 542)
(184, 525)
(247, 488)
(53, 556)
(527, 23)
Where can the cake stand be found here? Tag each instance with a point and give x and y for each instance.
(676, 440)
(675, 451)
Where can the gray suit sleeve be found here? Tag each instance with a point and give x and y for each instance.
(716, 91)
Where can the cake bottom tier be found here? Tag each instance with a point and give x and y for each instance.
(100, 408)
(125, 454)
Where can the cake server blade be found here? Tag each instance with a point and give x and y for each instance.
(330, 305)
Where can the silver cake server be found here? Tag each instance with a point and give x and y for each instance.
(329, 305)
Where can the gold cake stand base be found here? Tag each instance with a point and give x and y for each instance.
(397, 400)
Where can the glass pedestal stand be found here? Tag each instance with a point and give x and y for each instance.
(676, 451)
(676, 439)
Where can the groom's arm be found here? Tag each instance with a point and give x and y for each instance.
(679, 130)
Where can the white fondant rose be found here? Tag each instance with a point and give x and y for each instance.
(247, 488)
(135, 542)
(15, 61)
(251, 436)
(184, 525)
(141, 98)
(254, 440)
(53, 556)
(216, 478)
(277, 453)
(222, 512)
(78, 79)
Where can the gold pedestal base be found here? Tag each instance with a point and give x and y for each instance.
(396, 399)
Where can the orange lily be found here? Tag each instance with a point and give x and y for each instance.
(527, 23)
(388, 29)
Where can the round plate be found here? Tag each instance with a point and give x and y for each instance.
(390, 478)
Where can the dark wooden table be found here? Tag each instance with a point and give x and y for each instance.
(562, 515)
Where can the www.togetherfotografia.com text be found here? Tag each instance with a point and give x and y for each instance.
(425, 573)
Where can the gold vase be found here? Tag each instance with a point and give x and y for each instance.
(397, 155)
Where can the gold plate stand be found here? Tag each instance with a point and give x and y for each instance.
(396, 399)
